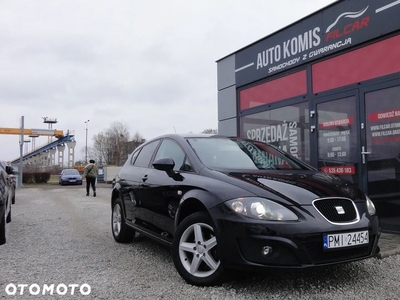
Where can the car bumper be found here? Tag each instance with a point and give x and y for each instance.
(67, 182)
(292, 244)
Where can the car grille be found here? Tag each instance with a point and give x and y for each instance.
(337, 210)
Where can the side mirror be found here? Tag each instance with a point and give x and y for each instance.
(167, 164)
(9, 170)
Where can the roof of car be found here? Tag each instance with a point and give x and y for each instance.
(188, 135)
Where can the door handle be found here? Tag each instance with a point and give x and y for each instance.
(363, 154)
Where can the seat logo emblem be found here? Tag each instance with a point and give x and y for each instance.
(340, 210)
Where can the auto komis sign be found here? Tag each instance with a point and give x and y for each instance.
(338, 27)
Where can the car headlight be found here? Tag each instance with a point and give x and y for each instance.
(261, 209)
(370, 206)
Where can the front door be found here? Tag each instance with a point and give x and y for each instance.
(337, 135)
(382, 146)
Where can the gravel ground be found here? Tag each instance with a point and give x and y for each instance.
(59, 236)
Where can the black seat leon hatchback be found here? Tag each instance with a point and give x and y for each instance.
(229, 202)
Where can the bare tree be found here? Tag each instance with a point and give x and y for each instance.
(91, 152)
(136, 141)
(113, 146)
(210, 131)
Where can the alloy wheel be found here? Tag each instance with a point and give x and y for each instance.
(198, 251)
(116, 219)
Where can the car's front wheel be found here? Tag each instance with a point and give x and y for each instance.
(195, 252)
(122, 233)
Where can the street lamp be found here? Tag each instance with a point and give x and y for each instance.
(86, 122)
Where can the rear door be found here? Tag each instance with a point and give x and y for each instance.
(132, 177)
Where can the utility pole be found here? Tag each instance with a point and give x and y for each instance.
(86, 122)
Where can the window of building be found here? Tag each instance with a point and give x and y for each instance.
(286, 127)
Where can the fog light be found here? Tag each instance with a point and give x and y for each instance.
(266, 250)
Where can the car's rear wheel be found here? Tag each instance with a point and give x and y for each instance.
(3, 228)
(195, 252)
(122, 233)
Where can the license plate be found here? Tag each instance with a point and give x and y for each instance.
(72, 180)
(349, 239)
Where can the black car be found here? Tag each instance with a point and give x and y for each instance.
(12, 176)
(235, 203)
(6, 198)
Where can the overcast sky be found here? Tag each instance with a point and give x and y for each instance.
(148, 64)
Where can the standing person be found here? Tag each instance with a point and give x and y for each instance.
(90, 173)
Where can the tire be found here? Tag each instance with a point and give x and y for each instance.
(8, 219)
(121, 232)
(197, 265)
(3, 228)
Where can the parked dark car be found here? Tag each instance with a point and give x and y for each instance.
(5, 199)
(70, 176)
(240, 204)
(12, 176)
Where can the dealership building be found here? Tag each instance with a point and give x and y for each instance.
(327, 90)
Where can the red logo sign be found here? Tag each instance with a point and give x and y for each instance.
(348, 28)
(342, 170)
(336, 123)
(384, 115)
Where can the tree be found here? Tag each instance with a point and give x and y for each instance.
(111, 146)
(210, 131)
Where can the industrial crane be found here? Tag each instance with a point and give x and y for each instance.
(33, 132)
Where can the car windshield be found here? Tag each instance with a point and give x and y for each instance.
(70, 172)
(229, 153)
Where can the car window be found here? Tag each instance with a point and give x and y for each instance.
(134, 156)
(187, 166)
(145, 155)
(169, 148)
(242, 154)
(70, 172)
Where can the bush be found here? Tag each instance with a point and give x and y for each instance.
(35, 177)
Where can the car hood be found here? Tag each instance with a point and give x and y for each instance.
(294, 188)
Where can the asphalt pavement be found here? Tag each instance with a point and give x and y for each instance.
(389, 244)
(60, 245)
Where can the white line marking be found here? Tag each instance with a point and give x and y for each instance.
(244, 67)
(387, 6)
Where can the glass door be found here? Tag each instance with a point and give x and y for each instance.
(382, 150)
(337, 136)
